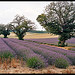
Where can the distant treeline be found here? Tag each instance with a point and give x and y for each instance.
(34, 31)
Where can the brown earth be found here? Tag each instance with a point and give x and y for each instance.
(20, 67)
(66, 48)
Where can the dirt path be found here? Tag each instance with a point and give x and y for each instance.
(66, 48)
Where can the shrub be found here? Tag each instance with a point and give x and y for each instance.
(6, 54)
(35, 62)
(61, 63)
(72, 58)
(73, 49)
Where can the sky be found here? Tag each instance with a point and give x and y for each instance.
(30, 9)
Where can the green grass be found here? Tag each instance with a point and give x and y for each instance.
(6, 54)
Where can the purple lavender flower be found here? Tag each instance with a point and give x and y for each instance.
(49, 54)
(5, 48)
(24, 51)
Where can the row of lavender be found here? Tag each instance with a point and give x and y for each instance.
(47, 51)
(70, 42)
(50, 53)
(73, 49)
(45, 40)
(4, 48)
(27, 53)
(43, 53)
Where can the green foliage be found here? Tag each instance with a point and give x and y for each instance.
(61, 63)
(73, 49)
(20, 26)
(61, 44)
(72, 58)
(5, 30)
(6, 54)
(5, 33)
(59, 19)
(34, 31)
(35, 62)
(54, 28)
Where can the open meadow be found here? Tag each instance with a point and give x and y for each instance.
(36, 54)
(32, 35)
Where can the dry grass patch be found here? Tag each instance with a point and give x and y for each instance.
(16, 66)
(32, 35)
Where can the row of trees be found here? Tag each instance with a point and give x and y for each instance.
(58, 18)
(20, 25)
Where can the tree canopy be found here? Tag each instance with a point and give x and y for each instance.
(5, 30)
(59, 19)
(20, 25)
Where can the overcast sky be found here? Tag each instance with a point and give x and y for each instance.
(30, 9)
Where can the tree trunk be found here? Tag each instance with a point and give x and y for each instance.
(20, 37)
(5, 36)
(61, 43)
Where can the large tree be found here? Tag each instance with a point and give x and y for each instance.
(20, 25)
(59, 19)
(5, 30)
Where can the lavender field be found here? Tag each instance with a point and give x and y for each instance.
(43, 55)
(70, 42)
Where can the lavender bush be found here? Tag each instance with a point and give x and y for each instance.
(6, 54)
(26, 53)
(35, 62)
(53, 41)
(45, 40)
(61, 63)
(5, 50)
(73, 49)
(71, 40)
(39, 55)
(50, 55)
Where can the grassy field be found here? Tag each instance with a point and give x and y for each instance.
(32, 35)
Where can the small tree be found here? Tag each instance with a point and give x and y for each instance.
(5, 30)
(21, 25)
(59, 19)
